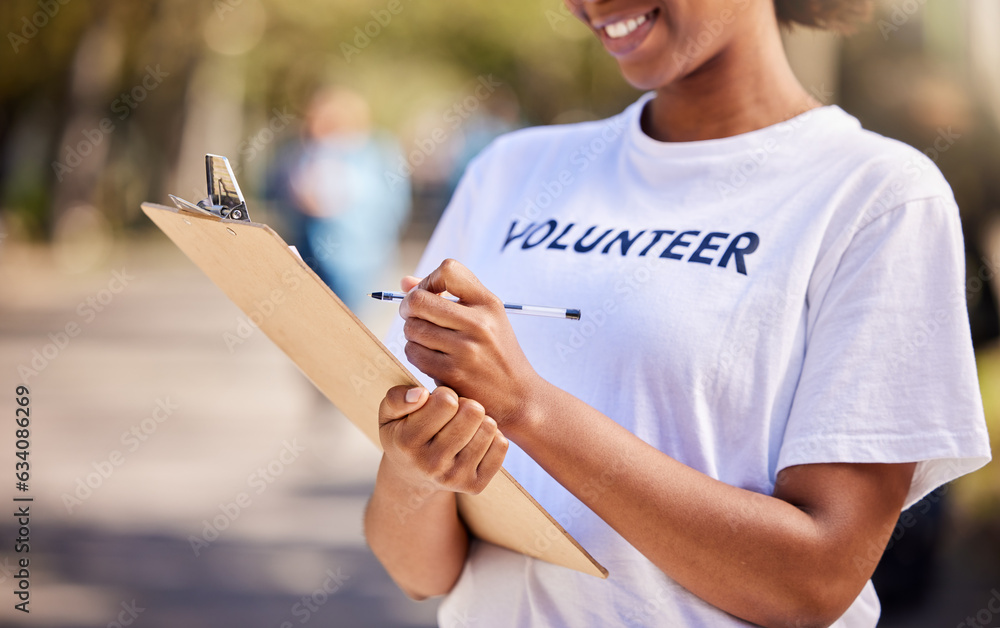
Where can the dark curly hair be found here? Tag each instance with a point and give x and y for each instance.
(842, 16)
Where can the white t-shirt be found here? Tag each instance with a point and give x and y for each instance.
(787, 296)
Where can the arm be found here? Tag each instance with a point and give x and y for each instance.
(790, 559)
(787, 559)
(436, 444)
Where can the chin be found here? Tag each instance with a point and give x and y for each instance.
(642, 81)
(645, 78)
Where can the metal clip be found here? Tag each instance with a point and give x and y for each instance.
(225, 200)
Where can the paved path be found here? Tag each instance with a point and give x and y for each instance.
(241, 422)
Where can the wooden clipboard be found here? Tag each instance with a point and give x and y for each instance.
(346, 362)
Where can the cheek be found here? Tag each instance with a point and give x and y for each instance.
(679, 44)
(661, 63)
(576, 8)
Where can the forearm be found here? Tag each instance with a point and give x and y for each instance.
(416, 533)
(755, 556)
(786, 559)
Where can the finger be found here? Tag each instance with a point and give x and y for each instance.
(451, 276)
(421, 426)
(472, 454)
(429, 335)
(458, 432)
(400, 401)
(493, 459)
(434, 364)
(420, 303)
(409, 282)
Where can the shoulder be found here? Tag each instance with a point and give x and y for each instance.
(881, 174)
(888, 199)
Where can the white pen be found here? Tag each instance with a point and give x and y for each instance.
(512, 308)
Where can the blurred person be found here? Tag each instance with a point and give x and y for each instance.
(344, 217)
(778, 358)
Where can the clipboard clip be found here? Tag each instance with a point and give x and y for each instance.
(225, 199)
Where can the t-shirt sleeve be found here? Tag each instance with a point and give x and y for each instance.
(889, 374)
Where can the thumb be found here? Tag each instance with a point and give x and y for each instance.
(399, 402)
(409, 283)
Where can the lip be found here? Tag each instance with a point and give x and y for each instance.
(625, 45)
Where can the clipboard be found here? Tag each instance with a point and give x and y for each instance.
(262, 275)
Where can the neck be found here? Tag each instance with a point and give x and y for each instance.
(746, 86)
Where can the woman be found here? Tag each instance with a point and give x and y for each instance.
(774, 358)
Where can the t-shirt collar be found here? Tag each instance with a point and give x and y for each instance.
(829, 117)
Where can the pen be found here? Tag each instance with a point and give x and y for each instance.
(512, 308)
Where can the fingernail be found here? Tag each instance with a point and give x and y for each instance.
(413, 395)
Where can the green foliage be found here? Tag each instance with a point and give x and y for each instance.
(405, 55)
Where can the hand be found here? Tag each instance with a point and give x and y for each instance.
(470, 345)
(440, 439)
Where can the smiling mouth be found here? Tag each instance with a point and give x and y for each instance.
(624, 36)
(624, 28)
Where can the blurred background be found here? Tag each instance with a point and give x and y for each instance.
(183, 471)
